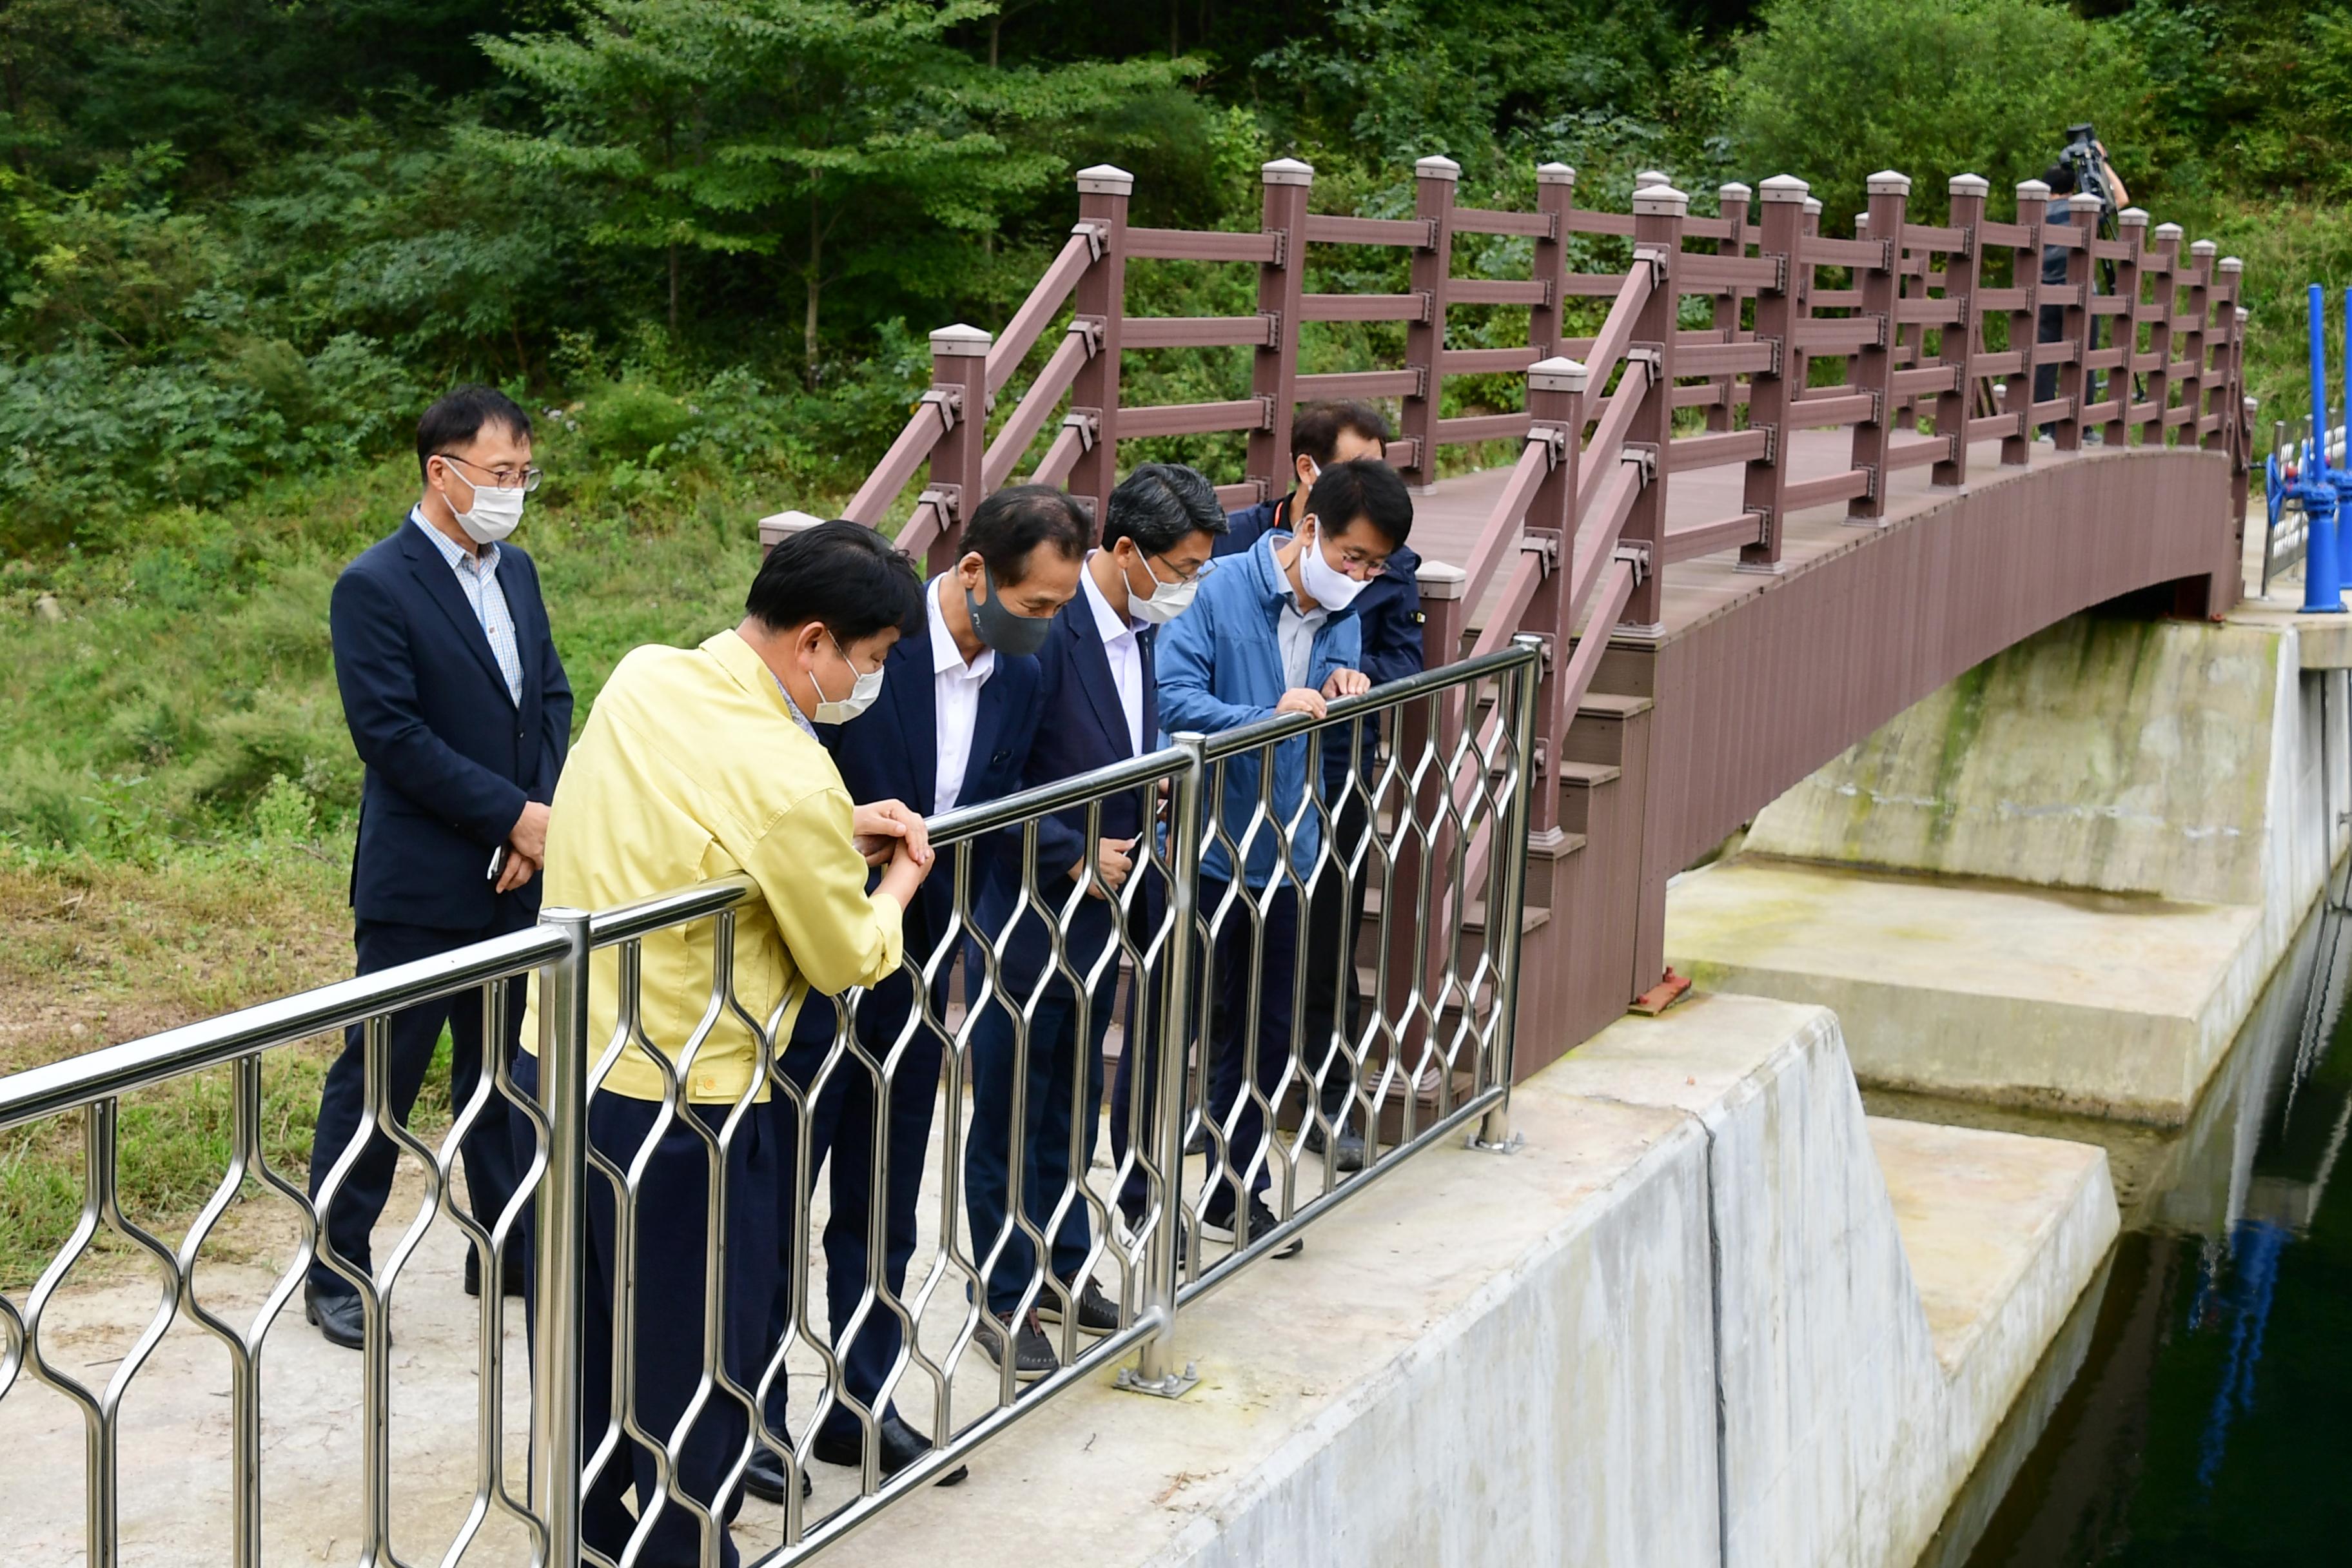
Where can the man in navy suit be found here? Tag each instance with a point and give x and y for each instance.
(1388, 616)
(460, 711)
(1101, 706)
(952, 726)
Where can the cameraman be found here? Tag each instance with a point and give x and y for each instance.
(2082, 165)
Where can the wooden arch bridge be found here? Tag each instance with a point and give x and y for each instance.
(1788, 485)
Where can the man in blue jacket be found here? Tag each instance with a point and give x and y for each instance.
(1388, 622)
(1101, 706)
(1274, 631)
(950, 725)
(459, 710)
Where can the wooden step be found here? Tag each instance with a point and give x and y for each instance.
(1609, 705)
(1588, 775)
(1473, 916)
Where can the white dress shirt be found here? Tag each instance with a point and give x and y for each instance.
(1122, 645)
(1296, 632)
(955, 701)
(478, 579)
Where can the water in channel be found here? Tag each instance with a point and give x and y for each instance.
(2196, 1408)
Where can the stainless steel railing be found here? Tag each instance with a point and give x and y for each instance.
(1193, 967)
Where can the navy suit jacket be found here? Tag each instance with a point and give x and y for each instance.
(1388, 613)
(891, 752)
(1083, 728)
(450, 758)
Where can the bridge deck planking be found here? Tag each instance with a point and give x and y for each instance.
(1448, 518)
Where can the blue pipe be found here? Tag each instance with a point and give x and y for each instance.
(2323, 509)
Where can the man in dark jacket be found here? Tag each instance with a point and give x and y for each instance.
(458, 708)
(1388, 613)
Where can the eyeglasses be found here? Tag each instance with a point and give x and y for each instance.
(501, 477)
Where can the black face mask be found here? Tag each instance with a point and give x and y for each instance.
(999, 627)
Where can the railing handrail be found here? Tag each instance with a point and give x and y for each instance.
(120, 1069)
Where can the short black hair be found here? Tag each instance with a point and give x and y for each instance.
(1315, 432)
(458, 416)
(1365, 488)
(1159, 506)
(842, 574)
(2060, 178)
(1015, 520)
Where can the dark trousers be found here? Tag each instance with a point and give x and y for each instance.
(669, 1247)
(2050, 327)
(843, 1125)
(1229, 953)
(1052, 1060)
(488, 1152)
(1334, 999)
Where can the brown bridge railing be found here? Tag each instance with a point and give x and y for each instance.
(1919, 339)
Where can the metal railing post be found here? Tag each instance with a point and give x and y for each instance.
(1156, 1370)
(561, 1226)
(1505, 936)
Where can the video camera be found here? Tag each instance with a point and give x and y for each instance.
(2081, 154)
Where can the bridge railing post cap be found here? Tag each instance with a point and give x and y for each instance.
(1555, 174)
(2032, 190)
(1649, 177)
(1887, 183)
(1106, 180)
(2132, 217)
(1558, 373)
(1660, 200)
(2244, 316)
(959, 341)
(1287, 172)
(1969, 185)
(2231, 264)
(1733, 193)
(2084, 202)
(1440, 580)
(2168, 231)
(1785, 188)
(2203, 247)
(1437, 166)
(779, 526)
(1813, 206)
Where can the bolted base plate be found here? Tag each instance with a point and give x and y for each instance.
(1511, 1145)
(1175, 1385)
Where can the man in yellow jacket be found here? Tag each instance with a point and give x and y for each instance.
(698, 764)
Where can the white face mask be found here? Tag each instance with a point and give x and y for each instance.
(1168, 600)
(863, 690)
(1326, 584)
(496, 512)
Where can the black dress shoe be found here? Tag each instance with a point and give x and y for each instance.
(1219, 1227)
(510, 1274)
(1032, 1352)
(764, 1475)
(1350, 1153)
(900, 1445)
(1098, 1313)
(338, 1317)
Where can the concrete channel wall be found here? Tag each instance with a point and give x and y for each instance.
(2059, 882)
(1710, 1314)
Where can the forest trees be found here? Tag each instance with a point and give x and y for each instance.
(844, 138)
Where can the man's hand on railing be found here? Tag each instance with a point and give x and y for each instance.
(1347, 683)
(1301, 700)
(1112, 863)
(883, 827)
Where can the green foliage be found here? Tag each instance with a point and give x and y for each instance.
(1831, 91)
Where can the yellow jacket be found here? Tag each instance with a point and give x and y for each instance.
(692, 767)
